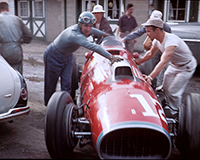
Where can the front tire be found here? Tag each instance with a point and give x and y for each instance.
(55, 137)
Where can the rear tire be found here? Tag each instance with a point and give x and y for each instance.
(189, 128)
(74, 79)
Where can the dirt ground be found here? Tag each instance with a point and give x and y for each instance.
(24, 138)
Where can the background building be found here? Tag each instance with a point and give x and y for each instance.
(47, 18)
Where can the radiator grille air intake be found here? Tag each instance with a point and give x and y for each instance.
(135, 143)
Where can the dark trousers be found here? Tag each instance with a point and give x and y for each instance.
(148, 66)
(56, 65)
(128, 44)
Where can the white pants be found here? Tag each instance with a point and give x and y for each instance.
(175, 82)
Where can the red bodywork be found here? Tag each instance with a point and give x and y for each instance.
(119, 99)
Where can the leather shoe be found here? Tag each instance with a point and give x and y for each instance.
(171, 113)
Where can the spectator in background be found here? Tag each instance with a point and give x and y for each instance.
(126, 24)
(102, 23)
(13, 32)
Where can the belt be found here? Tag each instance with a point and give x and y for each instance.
(125, 31)
(181, 65)
(57, 49)
(10, 43)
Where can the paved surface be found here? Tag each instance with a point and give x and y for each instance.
(24, 138)
(34, 51)
(34, 76)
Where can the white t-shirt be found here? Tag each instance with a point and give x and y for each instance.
(97, 25)
(182, 54)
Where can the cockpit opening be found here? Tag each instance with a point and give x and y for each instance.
(123, 73)
(114, 52)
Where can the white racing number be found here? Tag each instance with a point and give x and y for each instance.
(148, 110)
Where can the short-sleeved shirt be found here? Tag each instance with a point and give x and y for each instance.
(182, 54)
(127, 24)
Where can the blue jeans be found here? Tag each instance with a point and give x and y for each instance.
(56, 65)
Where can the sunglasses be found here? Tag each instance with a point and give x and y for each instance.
(88, 19)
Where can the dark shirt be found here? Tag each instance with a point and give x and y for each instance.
(105, 26)
(127, 24)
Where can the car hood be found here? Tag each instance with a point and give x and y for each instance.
(186, 30)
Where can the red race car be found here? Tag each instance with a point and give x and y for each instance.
(118, 113)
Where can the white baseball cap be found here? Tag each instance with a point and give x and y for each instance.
(156, 14)
(157, 22)
(98, 8)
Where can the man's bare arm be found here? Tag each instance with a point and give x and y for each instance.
(163, 61)
(148, 55)
(117, 31)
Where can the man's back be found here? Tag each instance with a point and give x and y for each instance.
(10, 28)
(13, 32)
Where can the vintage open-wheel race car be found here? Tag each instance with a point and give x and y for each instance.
(118, 113)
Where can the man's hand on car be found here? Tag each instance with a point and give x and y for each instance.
(114, 59)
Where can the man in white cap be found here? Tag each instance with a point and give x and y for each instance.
(147, 67)
(182, 63)
(102, 23)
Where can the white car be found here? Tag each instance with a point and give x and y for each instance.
(13, 93)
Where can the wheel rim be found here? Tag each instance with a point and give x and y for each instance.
(69, 127)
